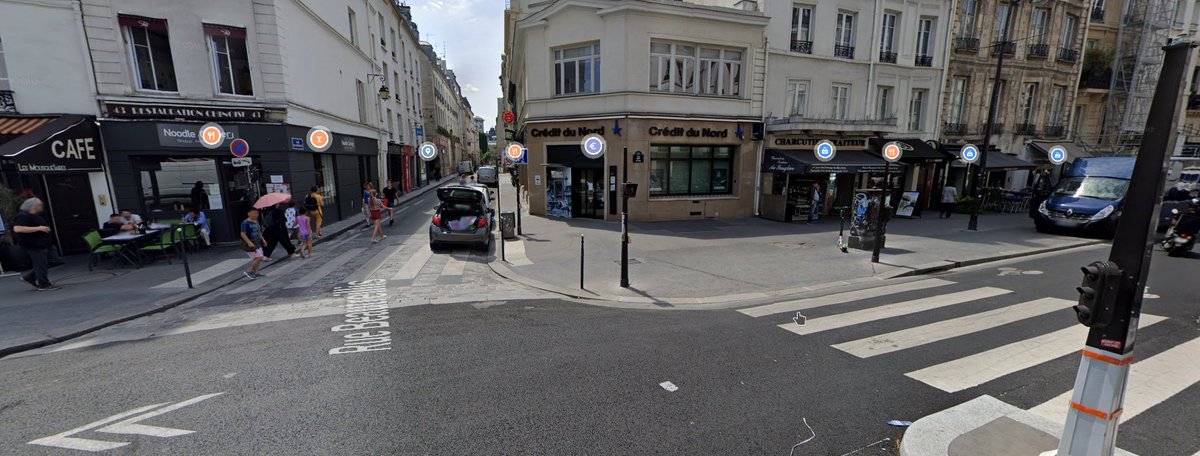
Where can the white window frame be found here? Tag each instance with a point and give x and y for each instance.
(887, 34)
(137, 74)
(1001, 20)
(352, 17)
(1054, 115)
(1076, 120)
(1038, 20)
(1070, 31)
(969, 22)
(958, 99)
(590, 54)
(926, 32)
(728, 75)
(215, 56)
(684, 64)
(844, 32)
(799, 93)
(883, 102)
(360, 92)
(839, 101)
(1029, 93)
(916, 109)
(802, 22)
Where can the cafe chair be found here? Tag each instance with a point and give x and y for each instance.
(191, 237)
(98, 248)
(167, 240)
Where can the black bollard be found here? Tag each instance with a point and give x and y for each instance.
(187, 269)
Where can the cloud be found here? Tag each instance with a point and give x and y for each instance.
(470, 87)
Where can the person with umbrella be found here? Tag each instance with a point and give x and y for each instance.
(275, 224)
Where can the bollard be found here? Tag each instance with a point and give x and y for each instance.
(581, 261)
(187, 270)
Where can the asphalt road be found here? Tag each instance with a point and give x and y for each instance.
(553, 377)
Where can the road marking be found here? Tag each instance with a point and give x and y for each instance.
(317, 274)
(841, 298)
(415, 263)
(281, 271)
(454, 267)
(980, 368)
(816, 325)
(946, 329)
(205, 274)
(1151, 381)
(669, 386)
(514, 253)
(128, 426)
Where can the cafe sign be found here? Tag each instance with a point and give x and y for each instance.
(72, 145)
(176, 111)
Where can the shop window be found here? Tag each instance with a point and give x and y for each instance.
(577, 70)
(690, 170)
(231, 62)
(326, 185)
(167, 184)
(150, 50)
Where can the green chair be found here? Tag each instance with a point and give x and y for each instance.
(98, 247)
(167, 241)
(191, 237)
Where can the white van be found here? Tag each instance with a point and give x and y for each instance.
(1190, 177)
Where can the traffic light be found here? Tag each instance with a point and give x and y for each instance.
(1098, 294)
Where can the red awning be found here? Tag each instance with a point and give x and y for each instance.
(21, 125)
(143, 22)
(224, 30)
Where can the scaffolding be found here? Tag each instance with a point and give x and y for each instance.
(1145, 29)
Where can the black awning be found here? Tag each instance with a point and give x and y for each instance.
(1039, 149)
(915, 150)
(67, 143)
(999, 161)
(801, 162)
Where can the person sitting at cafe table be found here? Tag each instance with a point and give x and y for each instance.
(196, 217)
(128, 217)
(116, 224)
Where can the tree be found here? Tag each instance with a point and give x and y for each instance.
(485, 153)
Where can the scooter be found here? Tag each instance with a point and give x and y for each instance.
(841, 229)
(1181, 236)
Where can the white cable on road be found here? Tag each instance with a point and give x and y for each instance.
(802, 442)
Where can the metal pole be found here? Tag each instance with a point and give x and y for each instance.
(880, 219)
(519, 202)
(1099, 393)
(187, 269)
(499, 190)
(580, 261)
(981, 170)
(625, 220)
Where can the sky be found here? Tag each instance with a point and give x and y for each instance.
(472, 32)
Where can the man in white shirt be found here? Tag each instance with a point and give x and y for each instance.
(949, 200)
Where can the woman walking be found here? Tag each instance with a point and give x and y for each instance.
(375, 208)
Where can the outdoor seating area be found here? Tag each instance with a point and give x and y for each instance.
(1006, 201)
(166, 239)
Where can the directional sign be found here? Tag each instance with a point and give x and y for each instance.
(517, 153)
(319, 138)
(421, 131)
(892, 152)
(825, 150)
(593, 146)
(240, 162)
(1057, 154)
(128, 422)
(427, 151)
(239, 148)
(211, 135)
(969, 153)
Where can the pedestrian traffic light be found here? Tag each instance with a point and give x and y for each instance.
(1098, 294)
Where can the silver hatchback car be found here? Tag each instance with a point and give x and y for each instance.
(462, 217)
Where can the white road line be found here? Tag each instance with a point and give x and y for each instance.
(133, 426)
(281, 271)
(840, 298)
(892, 310)
(946, 329)
(317, 274)
(980, 368)
(206, 274)
(413, 266)
(514, 253)
(454, 267)
(1151, 381)
(64, 440)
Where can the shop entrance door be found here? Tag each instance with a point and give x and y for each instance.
(587, 201)
(69, 201)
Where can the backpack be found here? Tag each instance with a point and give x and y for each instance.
(310, 202)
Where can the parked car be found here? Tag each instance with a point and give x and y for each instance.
(488, 175)
(461, 217)
(465, 167)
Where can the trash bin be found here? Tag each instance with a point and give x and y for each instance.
(508, 225)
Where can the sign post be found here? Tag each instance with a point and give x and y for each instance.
(519, 155)
(891, 154)
(239, 148)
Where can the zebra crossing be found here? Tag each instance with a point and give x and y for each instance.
(953, 316)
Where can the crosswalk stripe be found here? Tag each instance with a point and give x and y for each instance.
(206, 274)
(977, 369)
(946, 329)
(1151, 381)
(514, 253)
(413, 266)
(892, 310)
(454, 267)
(281, 271)
(840, 298)
(317, 274)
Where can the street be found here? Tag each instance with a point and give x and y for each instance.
(495, 368)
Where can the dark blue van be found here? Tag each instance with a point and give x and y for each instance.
(1089, 198)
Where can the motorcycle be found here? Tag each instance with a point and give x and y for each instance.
(1181, 236)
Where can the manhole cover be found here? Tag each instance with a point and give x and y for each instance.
(631, 261)
(90, 277)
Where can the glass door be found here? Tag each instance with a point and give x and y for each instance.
(588, 197)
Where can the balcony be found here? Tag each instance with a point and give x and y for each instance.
(966, 45)
(845, 52)
(1038, 51)
(1027, 129)
(887, 57)
(997, 128)
(7, 104)
(1193, 102)
(803, 47)
(1096, 79)
(923, 61)
(954, 129)
(1097, 14)
(1006, 47)
(1068, 55)
(1054, 131)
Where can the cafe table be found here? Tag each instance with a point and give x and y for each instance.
(129, 243)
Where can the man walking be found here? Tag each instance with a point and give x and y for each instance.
(276, 233)
(949, 200)
(251, 233)
(33, 235)
(389, 200)
(314, 202)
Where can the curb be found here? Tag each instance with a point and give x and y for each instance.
(732, 300)
(170, 303)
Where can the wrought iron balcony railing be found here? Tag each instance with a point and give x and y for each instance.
(1007, 47)
(923, 61)
(804, 47)
(966, 44)
(845, 52)
(7, 104)
(997, 128)
(1027, 129)
(954, 129)
(1068, 55)
(1054, 131)
(887, 57)
(1095, 79)
(1038, 51)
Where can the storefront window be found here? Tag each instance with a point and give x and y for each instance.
(167, 184)
(690, 170)
(324, 178)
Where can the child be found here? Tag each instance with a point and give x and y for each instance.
(304, 233)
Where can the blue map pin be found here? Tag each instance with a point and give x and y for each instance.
(825, 151)
(1058, 155)
(969, 153)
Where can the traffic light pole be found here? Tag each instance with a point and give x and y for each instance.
(1111, 295)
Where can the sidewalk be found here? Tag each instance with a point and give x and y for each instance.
(728, 260)
(93, 300)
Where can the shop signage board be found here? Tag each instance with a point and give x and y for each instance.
(186, 135)
(239, 147)
(276, 178)
(969, 153)
(1057, 154)
(908, 204)
(509, 116)
(75, 148)
(319, 138)
(785, 141)
(240, 162)
(178, 111)
(348, 144)
(593, 146)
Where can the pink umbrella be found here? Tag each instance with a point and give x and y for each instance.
(272, 199)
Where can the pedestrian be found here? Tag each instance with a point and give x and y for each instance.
(815, 199)
(290, 216)
(275, 232)
(949, 200)
(304, 233)
(315, 205)
(196, 217)
(375, 205)
(128, 217)
(390, 194)
(199, 196)
(462, 179)
(368, 190)
(251, 233)
(32, 233)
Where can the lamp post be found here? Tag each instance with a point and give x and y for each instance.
(981, 170)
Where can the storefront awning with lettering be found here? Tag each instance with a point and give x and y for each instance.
(915, 150)
(56, 144)
(801, 162)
